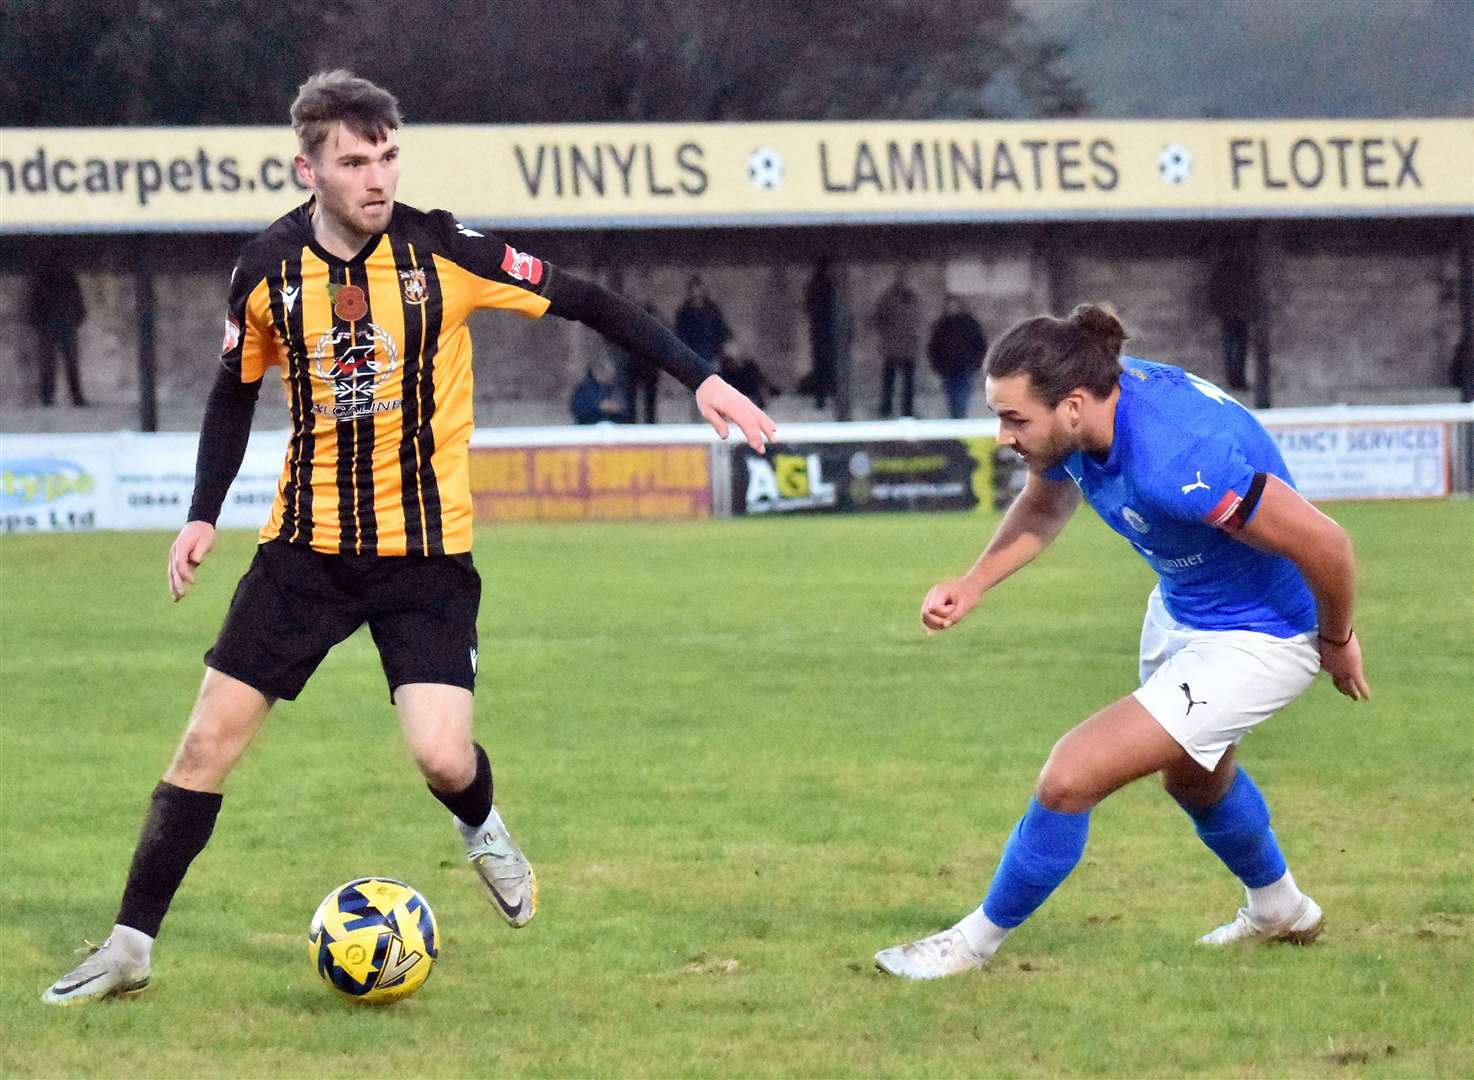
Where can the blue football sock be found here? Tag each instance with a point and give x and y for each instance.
(1042, 850)
(1236, 829)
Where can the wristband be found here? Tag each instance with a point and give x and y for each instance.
(1339, 644)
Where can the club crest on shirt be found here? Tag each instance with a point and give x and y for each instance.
(1135, 520)
(416, 288)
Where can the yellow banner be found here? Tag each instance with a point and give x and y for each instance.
(566, 176)
(589, 483)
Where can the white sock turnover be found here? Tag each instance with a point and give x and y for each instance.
(136, 945)
(982, 933)
(1275, 903)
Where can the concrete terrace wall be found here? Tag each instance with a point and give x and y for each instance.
(1362, 311)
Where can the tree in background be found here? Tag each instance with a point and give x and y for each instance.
(140, 62)
(93, 62)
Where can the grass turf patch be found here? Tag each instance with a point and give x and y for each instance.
(740, 769)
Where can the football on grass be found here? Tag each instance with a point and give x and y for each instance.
(373, 940)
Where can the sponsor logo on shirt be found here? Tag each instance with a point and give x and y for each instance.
(521, 266)
(1198, 483)
(356, 363)
(1135, 520)
(1169, 565)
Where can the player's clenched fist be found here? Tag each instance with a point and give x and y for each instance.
(947, 602)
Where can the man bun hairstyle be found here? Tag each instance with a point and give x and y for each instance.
(1101, 321)
(1061, 356)
(341, 97)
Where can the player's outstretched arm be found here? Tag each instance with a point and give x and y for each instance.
(186, 553)
(1031, 524)
(633, 328)
(1286, 524)
(723, 404)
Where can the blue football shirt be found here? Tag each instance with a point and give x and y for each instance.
(1181, 462)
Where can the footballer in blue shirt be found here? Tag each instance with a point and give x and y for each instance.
(1254, 596)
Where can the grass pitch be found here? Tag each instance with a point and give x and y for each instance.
(740, 769)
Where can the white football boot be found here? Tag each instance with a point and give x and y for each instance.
(935, 957)
(504, 870)
(1304, 928)
(107, 972)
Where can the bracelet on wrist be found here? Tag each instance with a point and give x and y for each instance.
(1351, 633)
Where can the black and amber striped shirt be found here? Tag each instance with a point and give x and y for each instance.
(376, 360)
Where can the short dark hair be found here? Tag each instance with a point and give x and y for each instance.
(341, 97)
(1063, 355)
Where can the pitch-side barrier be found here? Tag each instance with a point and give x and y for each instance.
(128, 480)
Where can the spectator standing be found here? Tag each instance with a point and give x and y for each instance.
(829, 333)
(1235, 297)
(640, 377)
(700, 323)
(55, 310)
(1461, 365)
(1461, 369)
(956, 349)
(897, 319)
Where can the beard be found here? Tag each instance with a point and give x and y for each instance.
(354, 216)
(1050, 454)
(373, 219)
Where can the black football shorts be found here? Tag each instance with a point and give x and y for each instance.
(294, 604)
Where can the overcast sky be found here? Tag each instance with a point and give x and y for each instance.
(1265, 58)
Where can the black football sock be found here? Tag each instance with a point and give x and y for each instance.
(473, 805)
(177, 828)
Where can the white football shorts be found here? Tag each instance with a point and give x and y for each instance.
(1210, 688)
